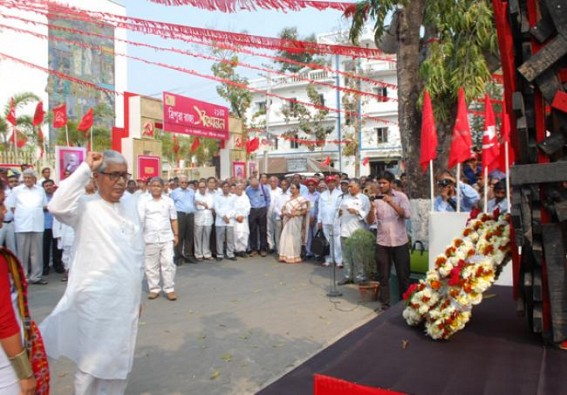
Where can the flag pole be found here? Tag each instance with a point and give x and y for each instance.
(15, 134)
(67, 134)
(432, 185)
(507, 158)
(459, 187)
(91, 133)
(485, 189)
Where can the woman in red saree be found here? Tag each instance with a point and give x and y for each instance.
(294, 218)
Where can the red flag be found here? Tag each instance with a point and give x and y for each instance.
(86, 122)
(11, 117)
(60, 116)
(490, 145)
(252, 145)
(40, 140)
(365, 161)
(175, 145)
(196, 144)
(461, 143)
(505, 134)
(18, 137)
(428, 133)
(39, 114)
(327, 161)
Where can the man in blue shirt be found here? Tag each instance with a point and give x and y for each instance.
(184, 199)
(259, 196)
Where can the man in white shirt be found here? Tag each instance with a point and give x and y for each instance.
(224, 222)
(95, 323)
(312, 196)
(159, 219)
(7, 234)
(282, 199)
(241, 228)
(204, 220)
(27, 202)
(353, 211)
(327, 220)
(275, 191)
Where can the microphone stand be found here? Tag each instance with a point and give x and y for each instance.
(333, 292)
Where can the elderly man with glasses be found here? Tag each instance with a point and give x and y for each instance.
(96, 321)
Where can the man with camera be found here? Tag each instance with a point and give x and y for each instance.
(447, 198)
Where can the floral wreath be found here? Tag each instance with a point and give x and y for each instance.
(469, 266)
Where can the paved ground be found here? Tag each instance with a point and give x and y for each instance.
(236, 327)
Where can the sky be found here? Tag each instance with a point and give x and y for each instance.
(152, 80)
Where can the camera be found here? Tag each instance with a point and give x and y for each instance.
(444, 183)
(372, 198)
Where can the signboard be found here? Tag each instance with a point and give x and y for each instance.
(193, 117)
(297, 165)
(148, 166)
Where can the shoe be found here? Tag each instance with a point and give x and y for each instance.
(232, 258)
(253, 254)
(191, 260)
(384, 307)
(64, 279)
(325, 264)
(39, 282)
(171, 296)
(345, 281)
(45, 272)
(340, 265)
(60, 270)
(153, 295)
(218, 258)
(263, 253)
(178, 261)
(208, 258)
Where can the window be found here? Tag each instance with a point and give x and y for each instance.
(322, 99)
(291, 104)
(293, 143)
(381, 91)
(261, 106)
(381, 135)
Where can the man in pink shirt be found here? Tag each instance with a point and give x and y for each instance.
(391, 209)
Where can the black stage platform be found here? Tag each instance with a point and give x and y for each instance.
(494, 354)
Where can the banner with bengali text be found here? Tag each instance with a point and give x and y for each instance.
(148, 166)
(194, 117)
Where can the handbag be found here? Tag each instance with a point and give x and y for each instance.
(419, 258)
(320, 245)
(32, 336)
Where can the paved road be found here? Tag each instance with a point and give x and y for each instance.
(236, 327)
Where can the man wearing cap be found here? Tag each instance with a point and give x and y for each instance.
(312, 196)
(327, 220)
(344, 186)
(27, 202)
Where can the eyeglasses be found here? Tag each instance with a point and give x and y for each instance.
(115, 175)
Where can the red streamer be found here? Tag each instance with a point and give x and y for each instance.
(252, 5)
(181, 32)
(184, 52)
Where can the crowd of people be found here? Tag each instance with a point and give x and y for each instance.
(103, 231)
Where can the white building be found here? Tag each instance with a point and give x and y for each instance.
(379, 135)
(93, 61)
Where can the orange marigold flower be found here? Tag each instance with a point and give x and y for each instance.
(458, 243)
(435, 285)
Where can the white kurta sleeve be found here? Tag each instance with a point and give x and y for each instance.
(66, 200)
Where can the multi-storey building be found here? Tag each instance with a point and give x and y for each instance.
(375, 129)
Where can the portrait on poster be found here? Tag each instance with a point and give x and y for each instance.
(239, 170)
(252, 169)
(67, 160)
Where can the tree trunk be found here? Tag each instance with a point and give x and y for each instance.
(409, 89)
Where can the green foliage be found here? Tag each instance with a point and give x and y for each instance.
(203, 154)
(102, 113)
(290, 33)
(24, 121)
(361, 246)
(309, 120)
(237, 95)
(459, 35)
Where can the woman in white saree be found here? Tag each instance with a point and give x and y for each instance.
(294, 218)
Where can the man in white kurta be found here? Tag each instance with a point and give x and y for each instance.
(327, 220)
(241, 229)
(224, 222)
(96, 321)
(275, 191)
(204, 220)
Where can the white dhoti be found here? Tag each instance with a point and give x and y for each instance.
(85, 384)
(241, 234)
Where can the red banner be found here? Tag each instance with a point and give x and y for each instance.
(194, 117)
(148, 166)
